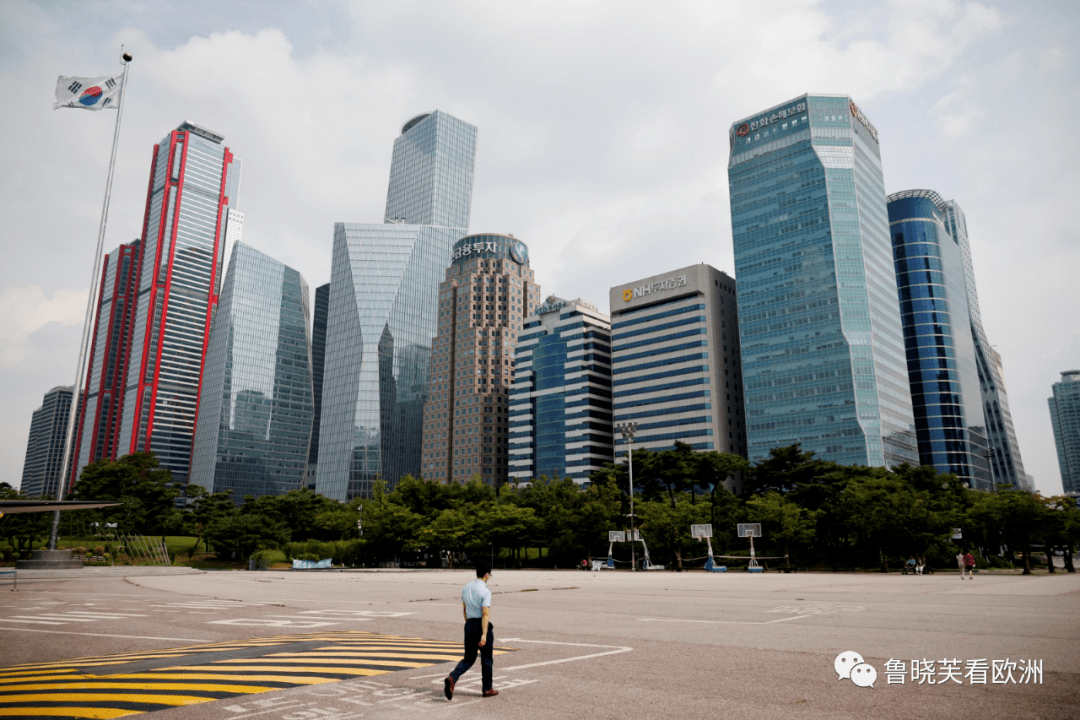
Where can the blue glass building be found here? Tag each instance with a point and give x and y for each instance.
(823, 359)
(483, 302)
(383, 310)
(560, 404)
(1065, 418)
(1006, 465)
(255, 412)
(945, 393)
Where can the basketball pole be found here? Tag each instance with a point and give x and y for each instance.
(88, 320)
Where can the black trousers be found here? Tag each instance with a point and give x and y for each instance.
(472, 640)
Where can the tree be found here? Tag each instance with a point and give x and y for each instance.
(875, 505)
(1019, 518)
(783, 520)
(204, 509)
(147, 492)
(244, 534)
(23, 529)
(668, 528)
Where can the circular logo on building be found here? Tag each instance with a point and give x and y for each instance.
(854, 108)
(743, 130)
(90, 96)
(519, 252)
(627, 295)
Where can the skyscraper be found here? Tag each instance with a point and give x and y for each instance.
(318, 362)
(822, 348)
(383, 310)
(560, 404)
(98, 435)
(194, 180)
(482, 304)
(1065, 417)
(44, 462)
(255, 410)
(675, 361)
(939, 336)
(1006, 466)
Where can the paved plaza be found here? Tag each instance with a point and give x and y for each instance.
(376, 644)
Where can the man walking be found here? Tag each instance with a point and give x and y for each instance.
(479, 633)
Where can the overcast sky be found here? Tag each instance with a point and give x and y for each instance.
(602, 142)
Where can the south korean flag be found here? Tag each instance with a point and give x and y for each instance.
(87, 93)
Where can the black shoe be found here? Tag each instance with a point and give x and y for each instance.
(448, 688)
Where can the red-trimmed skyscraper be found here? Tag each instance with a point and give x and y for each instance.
(194, 181)
(98, 432)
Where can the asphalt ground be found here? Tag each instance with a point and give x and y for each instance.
(337, 645)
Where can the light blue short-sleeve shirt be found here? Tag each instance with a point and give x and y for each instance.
(476, 596)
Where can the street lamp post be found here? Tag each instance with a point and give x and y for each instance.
(627, 429)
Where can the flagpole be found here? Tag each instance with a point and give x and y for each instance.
(88, 320)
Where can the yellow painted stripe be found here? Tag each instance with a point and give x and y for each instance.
(109, 684)
(98, 713)
(314, 661)
(401, 655)
(36, 675)
(296, 679)
(291, 668)
(106, 697)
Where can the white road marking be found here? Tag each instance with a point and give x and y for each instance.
(617, 649)
(260, 622)
(349, 613)
(132, 637)
(62, 618)
(39, 622)
(104, 616)
(722, 622)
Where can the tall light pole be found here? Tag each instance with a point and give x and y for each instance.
(627, 429)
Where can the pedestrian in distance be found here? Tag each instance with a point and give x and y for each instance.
(920, 565)
(960, 563)
(479, 633)
(909, 566)
(969, 565)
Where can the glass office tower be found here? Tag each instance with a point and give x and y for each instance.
(384, 308)
(560, 404)
(98, 434)
(822, 347)
(194, 180)
(934, 309)
(255, 412)
(1006, 466)
(44, 463)
(1065, 417)
(318, 362)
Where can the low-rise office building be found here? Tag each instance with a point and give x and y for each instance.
(560, 404)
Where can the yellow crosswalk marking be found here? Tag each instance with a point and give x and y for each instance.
(297, 668)
(156, 699)
(97, 687)
(94, 713)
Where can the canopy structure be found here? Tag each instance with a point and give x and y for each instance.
(11, 507)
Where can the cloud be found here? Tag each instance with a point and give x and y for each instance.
(26, 310)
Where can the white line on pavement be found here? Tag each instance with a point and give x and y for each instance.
(617, 649)
(722, 622)
(39, 622)
(133, 637)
